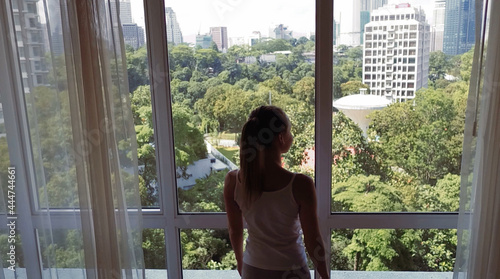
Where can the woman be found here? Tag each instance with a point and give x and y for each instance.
(276, 204)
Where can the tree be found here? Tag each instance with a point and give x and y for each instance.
(439, 65)
(137, 68)
(303, 90)
(352, 87)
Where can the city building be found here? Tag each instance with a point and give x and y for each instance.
(125, 10)
(367, 6)
(237, 41)
(459, 26)
(219, 36)
(174, 34)
(254, 38)
(280, 31)
(30, 43)
(204, 40)
(396, 52)
(364, 18)
(437, 27)
(133, 35)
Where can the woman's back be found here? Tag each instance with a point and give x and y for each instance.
(275, 235)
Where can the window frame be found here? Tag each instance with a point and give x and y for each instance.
(167, 217)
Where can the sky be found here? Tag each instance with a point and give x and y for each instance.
(241, 17)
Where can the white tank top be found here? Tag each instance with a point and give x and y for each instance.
(274, 234)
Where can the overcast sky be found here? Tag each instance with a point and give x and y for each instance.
(241, 17)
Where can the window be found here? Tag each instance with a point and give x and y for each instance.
(205, 78)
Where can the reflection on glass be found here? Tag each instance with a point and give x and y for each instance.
(399, 111)
(393, 250)
(220, 70)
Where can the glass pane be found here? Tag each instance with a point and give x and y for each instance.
(207, 253)
(408, 253)
(62, 253)
(399, 109)
(133, 26)
(45, 90)
(39, 35)
(221, 68)
(155, 259)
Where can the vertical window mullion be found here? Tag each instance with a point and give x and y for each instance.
(324, 101)
(18, 140)
(163, 129)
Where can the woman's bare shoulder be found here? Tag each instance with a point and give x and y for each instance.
(303, 187)
(231, 178)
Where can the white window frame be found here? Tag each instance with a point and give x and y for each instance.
(168, 217)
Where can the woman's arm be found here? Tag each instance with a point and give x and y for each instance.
(234, 218)
(305, 196)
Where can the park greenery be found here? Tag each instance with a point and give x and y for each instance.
(410, 161)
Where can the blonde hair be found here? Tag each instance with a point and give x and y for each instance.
(257, 135)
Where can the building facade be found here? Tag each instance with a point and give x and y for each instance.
(133, 35)
(204, 40)
(459, 26)
(30, 42)
(219, 36)
(437, 27)
(174, 34)
(396, 52)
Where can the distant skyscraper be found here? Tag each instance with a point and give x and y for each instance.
(174, 33)
(396, 52)
(280, 31)
(204, 41)
(364, 18)
(125, 10)
(133, 35)
(370, 5)
(367, 6)
(459, 26)
(437, 27)
(219, 36)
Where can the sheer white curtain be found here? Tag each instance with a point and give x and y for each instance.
(478, 252)
(82, 155)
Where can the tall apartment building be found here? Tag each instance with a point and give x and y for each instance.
(396, 52)
(219, 36)
(437, 27)
(30, 42)
(174, 33)
(459, 26)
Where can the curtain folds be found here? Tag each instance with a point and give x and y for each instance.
(478, 251)
(86, 205)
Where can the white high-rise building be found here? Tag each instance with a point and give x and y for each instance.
(396, 52)
(174, 33)
(438, 25)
